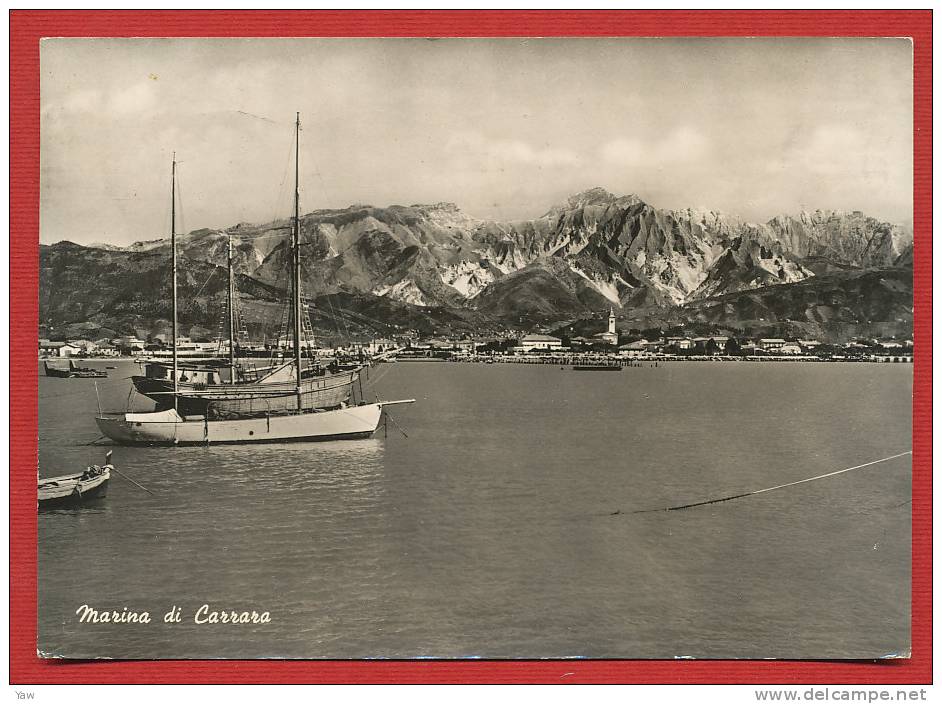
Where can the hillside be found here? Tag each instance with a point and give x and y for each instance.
(434, 268)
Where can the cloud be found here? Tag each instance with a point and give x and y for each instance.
(82, 100)
(508, 152)
(136, 98)
(516, 150)
(833, 150)
(843, 166)
(684, 144)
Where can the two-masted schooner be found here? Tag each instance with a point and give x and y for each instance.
(274, 408)
(200, 389)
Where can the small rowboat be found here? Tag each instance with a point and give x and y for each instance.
(75, 489)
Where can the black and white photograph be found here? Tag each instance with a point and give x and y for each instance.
(475, 348)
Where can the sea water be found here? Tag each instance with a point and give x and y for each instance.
(479, 523)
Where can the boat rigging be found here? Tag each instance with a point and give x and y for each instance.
(307, 405)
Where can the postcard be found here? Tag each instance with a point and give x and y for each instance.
(503, 348)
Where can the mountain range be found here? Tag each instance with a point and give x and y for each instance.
(435, 269)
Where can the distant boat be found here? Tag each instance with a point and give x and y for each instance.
(73, 372)
(288, 404)
(75, 489)
(57, 371)
(596, 368)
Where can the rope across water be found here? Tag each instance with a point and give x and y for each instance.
(767, 489)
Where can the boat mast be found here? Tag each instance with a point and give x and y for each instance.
(232, 374)
(173, 268)
(296, 261)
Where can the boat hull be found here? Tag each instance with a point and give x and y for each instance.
(164, 429)
(55, 371)
(327, 391)
(72, 490)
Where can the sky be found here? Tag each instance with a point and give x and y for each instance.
(504, 128)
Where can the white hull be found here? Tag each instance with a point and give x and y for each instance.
(168, 428)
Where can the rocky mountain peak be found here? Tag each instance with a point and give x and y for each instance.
(443, 206)
(446, 215)
(708, 216)
(596, 196)
(592, 196)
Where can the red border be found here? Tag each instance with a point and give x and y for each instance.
(26, 28)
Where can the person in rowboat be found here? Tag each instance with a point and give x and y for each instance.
(95, 470)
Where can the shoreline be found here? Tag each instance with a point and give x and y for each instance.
(569, 360)
(642, 361)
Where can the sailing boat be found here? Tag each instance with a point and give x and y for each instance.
(202, 391)
(263, 415)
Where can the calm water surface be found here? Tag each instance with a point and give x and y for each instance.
(487, 532)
